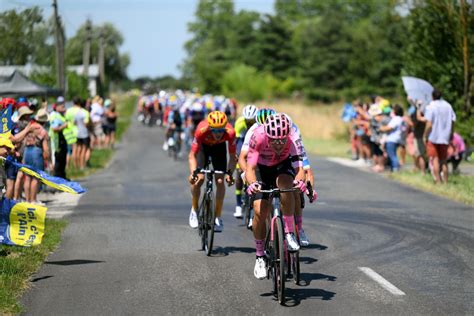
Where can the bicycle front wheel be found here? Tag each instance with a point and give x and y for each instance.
(210, 220)
(279, 266)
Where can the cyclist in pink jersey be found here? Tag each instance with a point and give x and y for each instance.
(274, 160)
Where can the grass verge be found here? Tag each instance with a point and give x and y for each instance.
(17, 264)
(459, 188)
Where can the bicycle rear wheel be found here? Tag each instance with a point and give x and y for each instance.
(279, 264)
(210, 220)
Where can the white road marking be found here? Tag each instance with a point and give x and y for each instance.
(380, 280)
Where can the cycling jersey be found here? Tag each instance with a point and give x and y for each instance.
(261, 152)
(203, 135)
(240, 127)
(295, 130)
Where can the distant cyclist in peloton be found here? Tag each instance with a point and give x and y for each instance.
(242, 125)
(274, 160)
(210, 141)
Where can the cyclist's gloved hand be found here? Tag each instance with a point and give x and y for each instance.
(300, 185)
(313, 196)
(254, 188)
(229, 179)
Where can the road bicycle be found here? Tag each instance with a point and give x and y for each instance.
(206, 211)
(276, 250)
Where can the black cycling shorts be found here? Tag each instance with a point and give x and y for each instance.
(268, 175)
(217, 153)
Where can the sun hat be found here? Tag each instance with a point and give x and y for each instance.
(42, 116)
(24, 110)
(6, 142)
(375, 110)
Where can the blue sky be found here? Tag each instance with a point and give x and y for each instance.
(154, 30)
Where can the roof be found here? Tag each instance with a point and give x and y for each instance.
(7, 71)
(19, 85)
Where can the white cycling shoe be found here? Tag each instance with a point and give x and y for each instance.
(291, 242)
(304, 241)
(219, 225)
(260, 270)
(193, 219)
(238, 212)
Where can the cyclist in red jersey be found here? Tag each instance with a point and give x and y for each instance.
(210, 141)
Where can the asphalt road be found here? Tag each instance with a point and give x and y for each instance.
(129, 250)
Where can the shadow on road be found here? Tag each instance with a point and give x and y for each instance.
(307, 278)
(41, 278)
(72, 262)
(225, 251)
(316, 246)
(295, 296)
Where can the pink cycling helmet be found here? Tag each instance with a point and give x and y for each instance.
(277, 126)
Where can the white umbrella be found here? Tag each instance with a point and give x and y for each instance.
(418, 89)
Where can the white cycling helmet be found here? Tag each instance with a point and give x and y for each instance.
(250, 112)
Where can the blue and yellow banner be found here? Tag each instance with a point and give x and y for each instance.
(21, 224)
(7, 123)
(54, 182)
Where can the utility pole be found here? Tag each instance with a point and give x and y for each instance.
(102, 56)
(87, 48)
(59, 42)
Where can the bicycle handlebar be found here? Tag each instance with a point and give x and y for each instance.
(277, 190)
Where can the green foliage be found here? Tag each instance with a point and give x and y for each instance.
(245, 83)
(434, 52)
(24, 37)
(76, 86)
(115, 63)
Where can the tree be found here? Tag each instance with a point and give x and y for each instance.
(115, 63)
(209, 51)
(24, 38)
(275, 51)
(439, 40)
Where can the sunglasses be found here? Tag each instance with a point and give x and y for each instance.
(218, 130)
(274, 141)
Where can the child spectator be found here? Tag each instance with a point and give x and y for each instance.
(394, 136)
(456, 151)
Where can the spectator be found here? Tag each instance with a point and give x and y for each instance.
(97, 114)
(36, 153)
(110, 123)
(456, 151)
(418, 124)
(440, 119)
(57, 128)
(377, 120)
(70, 133)
(81, 120)
(394, 137)
(21, 130)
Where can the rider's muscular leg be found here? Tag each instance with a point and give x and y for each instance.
(285, 181)
(261, 208)
(298, 209)
(196, 192)
(238, 188)
(220, 194)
